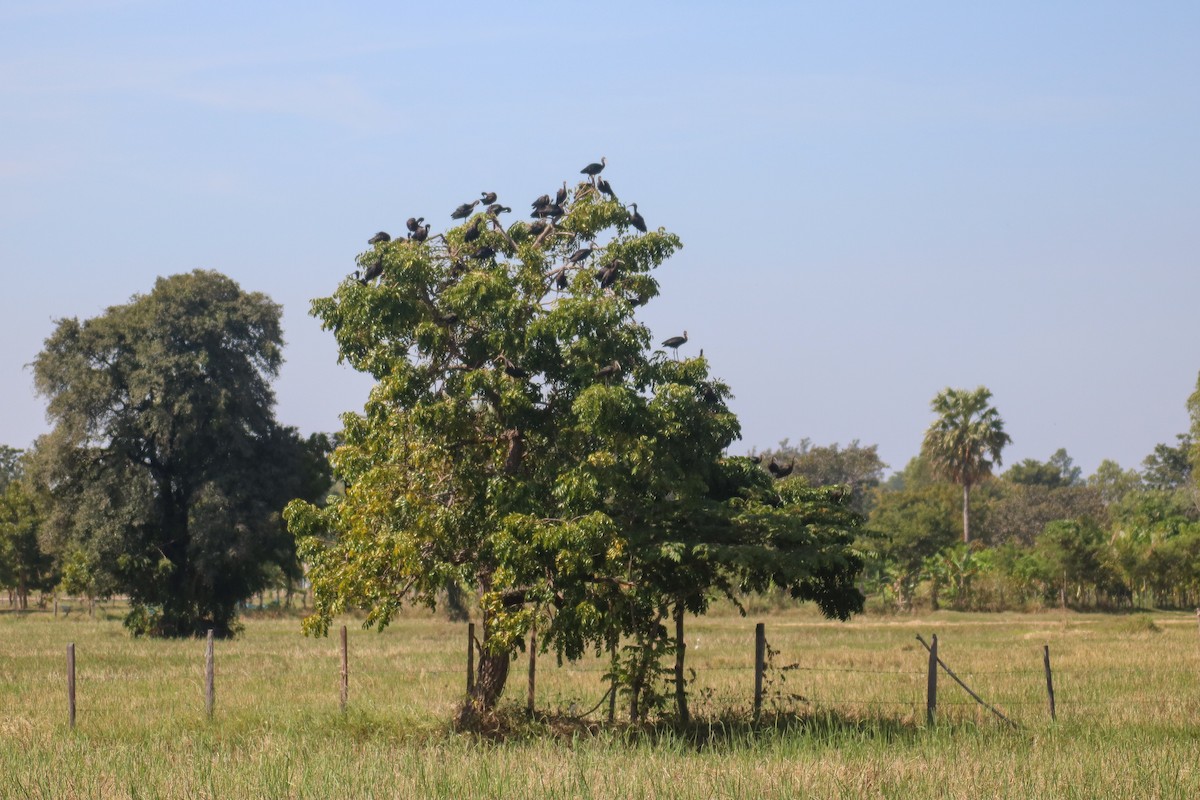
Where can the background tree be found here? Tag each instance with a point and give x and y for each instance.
(964, 441)
(167, 466)
(1113, 483)
(912, 525)
(25, 565)
(1059, 470)
(854, 465)
(526, 440)
(1169, 467)
(10, 464)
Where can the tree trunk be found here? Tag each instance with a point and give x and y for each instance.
(966, 513)
(681, 705)
(490, 677)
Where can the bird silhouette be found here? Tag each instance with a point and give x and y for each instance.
(561, 196)
(496, 208)
(605, 188)
(612, 369)
(379, 238)
(592, 170)
(489, 197)
(473, 232)
(781, 472)
(414, 223)
(675, 342)
(511, 369)
(483, 252)
(541, 202)
(373, 272)
(463, 211)
(580, 255)
(635, 219)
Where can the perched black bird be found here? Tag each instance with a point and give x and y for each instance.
(447, 319)
(414, 223)
(379, 238)
(675, 342)
(473, 232)
(561, 280)
(561, 196)
(463, 211)
(537, 227)
(592, 170)
(496, 208)
(635, 219)
(420, 233)
(605, 188)
(608, 275)
(555, 211)
(512, 370)
(373, 272)
(781, 472)
(580, 255)
(612, 369)
(755, 459)
(489, 197)
(708, 394)
(541, 202)
(483, 252)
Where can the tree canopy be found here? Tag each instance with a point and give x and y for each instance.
(166, 466)
(526, 439)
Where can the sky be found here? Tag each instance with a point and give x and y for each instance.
(877, 200)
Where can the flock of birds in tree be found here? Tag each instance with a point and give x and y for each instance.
(547, 212)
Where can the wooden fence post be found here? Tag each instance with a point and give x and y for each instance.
(209, 689)
(612, 689)
(71, 684)
(760, 665)
(931, 687)
(470, 657)
(345, 695)
(532, 670)
(1049, 680)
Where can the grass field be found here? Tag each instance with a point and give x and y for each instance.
(847, 721)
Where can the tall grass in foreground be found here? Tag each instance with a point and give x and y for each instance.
(848, 721)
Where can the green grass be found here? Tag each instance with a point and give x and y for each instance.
(848, 721)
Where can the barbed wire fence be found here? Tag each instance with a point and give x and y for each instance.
(1035, 692)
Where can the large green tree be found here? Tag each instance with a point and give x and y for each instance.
(167, 467)
(525, 438)
(964, 441)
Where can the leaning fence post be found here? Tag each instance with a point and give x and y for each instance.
(532, 669)
(71, 684)
(470, 657)
(209, 691)
(1049, 679)
(931, 687)
(760, 666)
(345, 696)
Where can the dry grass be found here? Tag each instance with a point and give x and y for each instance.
(848, 721)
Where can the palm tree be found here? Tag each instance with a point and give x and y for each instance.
(964, 441)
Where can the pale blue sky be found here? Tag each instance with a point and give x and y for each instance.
(877, 200)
